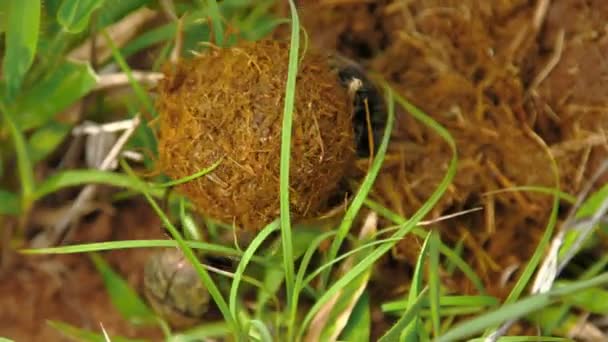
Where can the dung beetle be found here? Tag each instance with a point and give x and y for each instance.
(368, 104)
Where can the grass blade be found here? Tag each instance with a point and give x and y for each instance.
(217, 20)
(290, 92)
(114, 245)
(402, 326)
(517, 309)
(74, 15)
(24, 165)
(238, 274)
(124, 298)
(21, 41)
(434, 282)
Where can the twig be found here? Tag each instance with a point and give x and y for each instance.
(121, 79)
(87, 193)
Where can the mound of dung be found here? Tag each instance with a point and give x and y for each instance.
(227, 105)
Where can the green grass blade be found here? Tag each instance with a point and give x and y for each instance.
(191, 177)
(262, 330)
(540, 189)
(359, 324)
(434, 281)
(74, 15)
(114, 245)
(70, 178)
(445, 301)
(21, 42)
(24, 165)
(123, 297)
(218, 22)
(290, 92)
(402, 326)
(518, 309)
(240, 270)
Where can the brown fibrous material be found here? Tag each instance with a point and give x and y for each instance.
(227, 105)
(471, 65)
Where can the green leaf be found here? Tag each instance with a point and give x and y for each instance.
(359, 323)
(85, 335)
(44, 141)
(3, 339)
(64, 86)
(9, 203)
(24, 165)
(21, 40)
(74, 15)
(124, 298)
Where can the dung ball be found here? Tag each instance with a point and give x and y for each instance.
(227, 105)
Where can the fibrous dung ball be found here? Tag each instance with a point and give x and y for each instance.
(227, 105)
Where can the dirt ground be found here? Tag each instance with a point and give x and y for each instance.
(515, 83)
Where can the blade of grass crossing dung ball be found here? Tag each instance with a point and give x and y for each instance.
(290, 90)
(189, 254)
(24, 165)
(20, 42)
(402, 327)
(246, 258)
